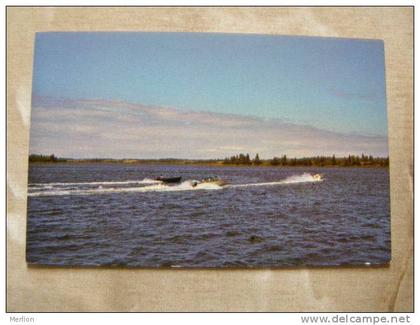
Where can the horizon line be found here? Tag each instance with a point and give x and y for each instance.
(206, 159)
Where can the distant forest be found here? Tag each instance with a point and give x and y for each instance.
(318, 161)
(239, 160)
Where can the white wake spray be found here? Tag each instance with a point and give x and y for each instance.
(157, 187)
(54, 189)
(49, 185)
(304, 178)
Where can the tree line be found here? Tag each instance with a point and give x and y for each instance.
(43, 158)
(242, 160)
(350, 160)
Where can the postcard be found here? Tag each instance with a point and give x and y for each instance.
(206, 150)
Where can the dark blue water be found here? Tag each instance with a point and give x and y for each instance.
(113, 214)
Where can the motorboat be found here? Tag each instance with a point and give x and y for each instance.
(210, 180)
(317, 177)
(169, 179)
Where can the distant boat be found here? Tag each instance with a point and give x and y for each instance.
(317, 177)
(211, 180)
(169, 179)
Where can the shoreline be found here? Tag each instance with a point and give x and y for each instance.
(195, 164)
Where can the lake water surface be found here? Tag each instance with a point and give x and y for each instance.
(115, 214)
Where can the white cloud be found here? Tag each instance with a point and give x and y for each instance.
(97, 128)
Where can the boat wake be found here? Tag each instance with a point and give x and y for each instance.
(304, 178)
(54, 189)
(49, 185)
(146, 185)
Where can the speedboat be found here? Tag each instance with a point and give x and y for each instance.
(211, 180)
(169, 179)
(317, 177)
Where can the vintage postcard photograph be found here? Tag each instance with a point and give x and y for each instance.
(206, 150)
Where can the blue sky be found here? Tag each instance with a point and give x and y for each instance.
(334, 85)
